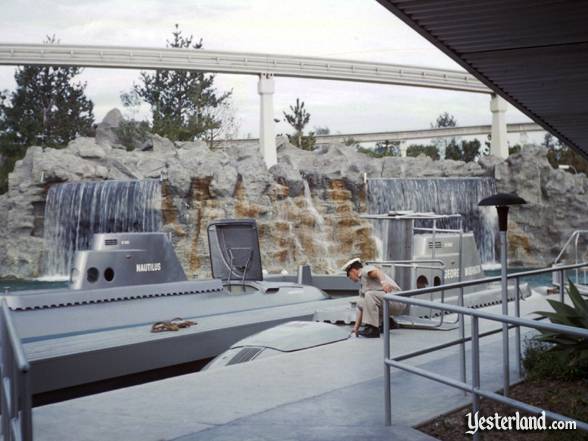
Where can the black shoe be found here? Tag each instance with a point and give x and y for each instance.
(370, 332)
(392, 323)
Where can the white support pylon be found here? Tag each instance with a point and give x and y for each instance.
(498, 142)
(267, 139)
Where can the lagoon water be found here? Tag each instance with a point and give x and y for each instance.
(22, 285)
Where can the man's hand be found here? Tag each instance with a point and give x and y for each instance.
(388, 287)
(358, 319)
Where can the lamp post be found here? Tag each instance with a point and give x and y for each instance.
(502, 202)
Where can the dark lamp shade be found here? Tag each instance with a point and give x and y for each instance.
(502, 200)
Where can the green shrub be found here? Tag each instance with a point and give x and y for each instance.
(542, 363)
(568, 352)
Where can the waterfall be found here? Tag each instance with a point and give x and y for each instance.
(321, 240)
(442, 196)
(74, 211)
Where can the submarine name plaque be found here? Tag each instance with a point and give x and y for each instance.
(148, 267)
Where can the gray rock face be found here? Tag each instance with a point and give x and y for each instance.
(106, 130)
(162, 145)
(196, 146)
(307, 206)
(557, 205)
(285, 174)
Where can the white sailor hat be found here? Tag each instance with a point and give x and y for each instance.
(350, 262)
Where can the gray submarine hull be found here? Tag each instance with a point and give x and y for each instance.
(100, 327)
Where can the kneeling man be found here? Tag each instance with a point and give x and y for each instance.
(374, 284)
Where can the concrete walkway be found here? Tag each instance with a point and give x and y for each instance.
(330, 392)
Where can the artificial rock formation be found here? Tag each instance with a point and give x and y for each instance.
(307, 206)
(557, 205)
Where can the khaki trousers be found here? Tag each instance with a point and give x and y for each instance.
(372, 308)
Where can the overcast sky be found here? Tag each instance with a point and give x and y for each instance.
(348, 29)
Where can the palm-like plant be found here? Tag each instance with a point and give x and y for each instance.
(573, 350)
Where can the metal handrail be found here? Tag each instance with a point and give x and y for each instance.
(516, 276)
(476, 314)
(575, 235)
(385, 262)
(15, 390)
(526, 323)
(413, 264)
(466, 283)
(438, 230)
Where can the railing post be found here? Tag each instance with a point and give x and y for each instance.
(475, 370)
(387, 392)
(577, 233)
(561, 286)
(462, 352)
(15, 396)
(504, 283)
(26, 405)
(3, 367)
(518, 328)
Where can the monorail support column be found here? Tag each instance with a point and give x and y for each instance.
(499, 144)
(267, 139)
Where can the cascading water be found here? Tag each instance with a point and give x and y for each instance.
(441, 196)
(321, 240)
(74, 211)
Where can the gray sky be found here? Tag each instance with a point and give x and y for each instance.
(349, 29)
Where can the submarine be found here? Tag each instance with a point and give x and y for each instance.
(97, 333)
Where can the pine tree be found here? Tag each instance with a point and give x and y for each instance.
(447, 146)
(183, 103)
(452, 151)
(415, 150)
(471, 150)
(298, 119)
(560, 154)
(48, 107)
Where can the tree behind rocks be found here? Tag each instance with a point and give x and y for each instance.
(298, 118)
(382, 149)
(560, 154)
(415, 150)
(183, 103)
(466, 151)
(49, 107)
(445, 120)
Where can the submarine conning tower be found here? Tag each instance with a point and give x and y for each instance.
(123, 259)
(410, 237)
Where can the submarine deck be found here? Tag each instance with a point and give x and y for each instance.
(79, 358)
(325, 393)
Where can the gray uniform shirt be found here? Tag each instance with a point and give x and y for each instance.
(371, 284)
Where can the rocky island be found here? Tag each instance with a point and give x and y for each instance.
(308, 207)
